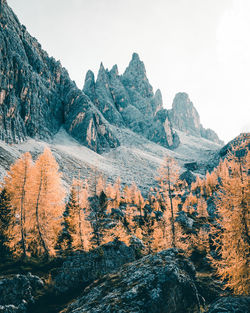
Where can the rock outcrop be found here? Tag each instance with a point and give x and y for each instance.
(231, 305)
(160, 283)
(128, 100)
(185, 117)
(37, 96)
(81, 269)
(17, 292)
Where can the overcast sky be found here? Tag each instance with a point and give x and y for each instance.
(201, 47)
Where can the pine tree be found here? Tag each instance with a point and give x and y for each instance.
(232, 240)
(64, 243)
(5, 220)
(18, 186)
(47, 196)
(99, 215)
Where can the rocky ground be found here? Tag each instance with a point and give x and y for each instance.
(116, 278)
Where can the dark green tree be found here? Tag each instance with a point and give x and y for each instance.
(65, 239)
(5, 219)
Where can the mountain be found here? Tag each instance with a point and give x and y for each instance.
(37, 96)
(117, 115)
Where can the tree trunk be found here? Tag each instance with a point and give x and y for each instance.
(22, 213)
(172, 211)
(37, 220)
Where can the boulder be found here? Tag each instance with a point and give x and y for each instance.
(17, 292)
(160, 283)
(184, 220)
(81, 269)
(231, 305)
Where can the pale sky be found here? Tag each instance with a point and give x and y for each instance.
(201, 47)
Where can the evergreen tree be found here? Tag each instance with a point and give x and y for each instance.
(64, 243)
(5, 220)
(99, 214)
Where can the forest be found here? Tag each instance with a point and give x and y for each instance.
(208, 219)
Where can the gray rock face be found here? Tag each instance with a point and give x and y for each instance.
(83, 268)
(17, 292)
(37, 96)
(128, 100)
(160, 283)
(185, 117)
(231, 305)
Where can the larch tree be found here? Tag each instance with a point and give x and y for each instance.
(47, 199)
(117, 232)
(80, 216)
(168, 176)
(202, 208)
(18, 185)
(100, 185)
(232, 240)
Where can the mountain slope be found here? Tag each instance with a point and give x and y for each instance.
(37, 96)
(136, 159)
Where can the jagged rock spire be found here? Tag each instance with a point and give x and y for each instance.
(185, 117)
(135, 77)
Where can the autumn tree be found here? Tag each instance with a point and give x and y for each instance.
(168, 176)
(100, 185)
(160, 239)
(46, 200)
(232, 240)
(18, 185)
(117, 232)
(202, 208)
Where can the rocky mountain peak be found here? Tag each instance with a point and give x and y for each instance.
(185, 117)
(114, 71)
(102, 74)
(128, 100)
(135, 77)
(158, 100)
(89, 85)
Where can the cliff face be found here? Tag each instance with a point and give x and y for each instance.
(185, 117)
(128, 100)
(37, 96)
